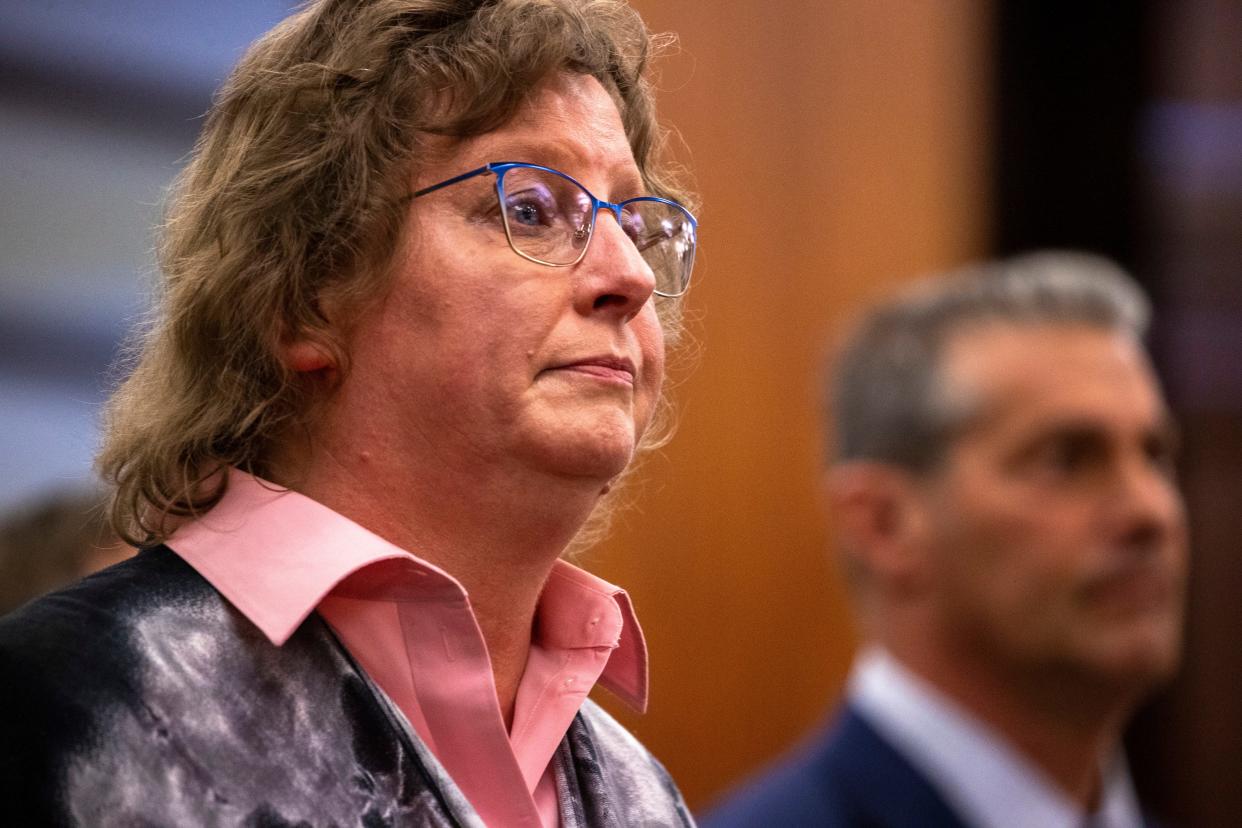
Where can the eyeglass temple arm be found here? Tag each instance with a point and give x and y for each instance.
(486, 168)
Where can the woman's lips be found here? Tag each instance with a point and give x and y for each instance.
(608, 369)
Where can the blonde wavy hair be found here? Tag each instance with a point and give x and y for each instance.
(295, 194)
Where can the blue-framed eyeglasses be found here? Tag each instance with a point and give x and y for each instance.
(549, 219)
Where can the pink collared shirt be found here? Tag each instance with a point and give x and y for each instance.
(277, 556)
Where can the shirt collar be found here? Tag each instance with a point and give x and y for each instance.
(572, 614)
(985, 779)
(275, 554)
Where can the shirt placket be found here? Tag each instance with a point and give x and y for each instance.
(452, 678)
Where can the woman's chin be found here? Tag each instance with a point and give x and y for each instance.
(592, 454)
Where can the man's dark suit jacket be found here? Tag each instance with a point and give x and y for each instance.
(850, 777)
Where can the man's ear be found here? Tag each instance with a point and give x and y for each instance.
(880, 516)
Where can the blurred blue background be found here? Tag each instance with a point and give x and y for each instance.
(100, 103)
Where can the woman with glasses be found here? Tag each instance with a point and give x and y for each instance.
(420, 279)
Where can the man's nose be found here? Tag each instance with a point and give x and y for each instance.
(1149, 502)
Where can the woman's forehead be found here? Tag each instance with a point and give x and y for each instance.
(568, 122)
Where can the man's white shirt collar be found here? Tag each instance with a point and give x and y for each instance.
(984, 780)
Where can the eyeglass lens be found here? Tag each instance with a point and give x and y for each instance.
(549, 218)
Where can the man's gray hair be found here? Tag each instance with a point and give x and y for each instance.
(887, 399)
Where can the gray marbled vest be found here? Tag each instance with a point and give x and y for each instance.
(141, 697)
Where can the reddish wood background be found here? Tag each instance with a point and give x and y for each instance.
(839, 147)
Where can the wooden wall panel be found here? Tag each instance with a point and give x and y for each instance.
(1187, 751)
(839, 147)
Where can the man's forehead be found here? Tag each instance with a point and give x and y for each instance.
(1022, 373)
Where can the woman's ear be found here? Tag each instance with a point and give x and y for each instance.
(303, 348)
(304, 355)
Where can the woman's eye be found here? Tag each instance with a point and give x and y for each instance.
(531, 208)
(527, 213)
(633, 227)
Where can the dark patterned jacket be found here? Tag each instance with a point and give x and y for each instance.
(141, 697)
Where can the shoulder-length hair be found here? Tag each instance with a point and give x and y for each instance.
(295, 194)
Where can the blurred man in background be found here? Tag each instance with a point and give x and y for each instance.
(1003, 484)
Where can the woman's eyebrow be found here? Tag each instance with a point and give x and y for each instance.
(531, 151)
(622, 176)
